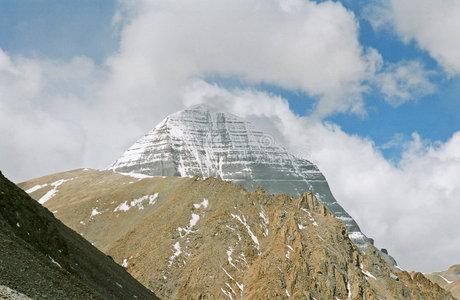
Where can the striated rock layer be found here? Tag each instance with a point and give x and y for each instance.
(194, 238)
(201, 142)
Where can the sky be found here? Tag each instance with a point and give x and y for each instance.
(367, 90)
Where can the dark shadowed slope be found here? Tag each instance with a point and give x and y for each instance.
(43, 259)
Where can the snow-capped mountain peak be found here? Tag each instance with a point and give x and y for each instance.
(204, 142)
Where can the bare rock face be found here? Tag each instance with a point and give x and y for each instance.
(201, 142)
(195, 238)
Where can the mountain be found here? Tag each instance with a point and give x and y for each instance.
(449, 280)
(202, 142)
(195, 238)
(40, 258)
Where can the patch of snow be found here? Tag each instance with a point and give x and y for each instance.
(187, 230)
(95, 212)
(122, 207)
(448, 281)
(245, 224)
(228, 294)
(176, 253)
(243, 257)
(301, 226)
(135, 175)
(55, 212)
(263, 216)
(287, 293)
(230, 287)
(119, 285)
(125, 206)
(50, 194)
(355, 235)
(35, 188)
(82, 223)
(266, 221)
(240, 286)
(288, 253)
(18, 225)
(229, 257)
(124, 264)
(194, 220)
(204, 203)
(349, 290)
(367, 273)
(310, 217)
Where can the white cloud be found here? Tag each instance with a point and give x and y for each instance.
(165, 46)
(299, 45)
(404, 81)
(433, 25)
(410, 209)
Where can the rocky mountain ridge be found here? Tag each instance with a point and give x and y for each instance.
(195, 238)
(449, 280)
(199, 141)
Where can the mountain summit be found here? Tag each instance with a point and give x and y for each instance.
(200, 141)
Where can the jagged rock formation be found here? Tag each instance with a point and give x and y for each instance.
(194, 238)
(201, 142)
(40, 258)
(449, 280)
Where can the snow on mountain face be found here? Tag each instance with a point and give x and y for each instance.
(199, 141)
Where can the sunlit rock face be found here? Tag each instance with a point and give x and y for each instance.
(203, 142)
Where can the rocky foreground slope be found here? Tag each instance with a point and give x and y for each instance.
(194, 238)
(449, 279)
(40, 258)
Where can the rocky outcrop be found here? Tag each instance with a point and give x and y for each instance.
(201, 142)
(195, 238)
(41, 258)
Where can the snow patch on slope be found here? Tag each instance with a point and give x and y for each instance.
(36, 188)
(139, 203)
(50, 194)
